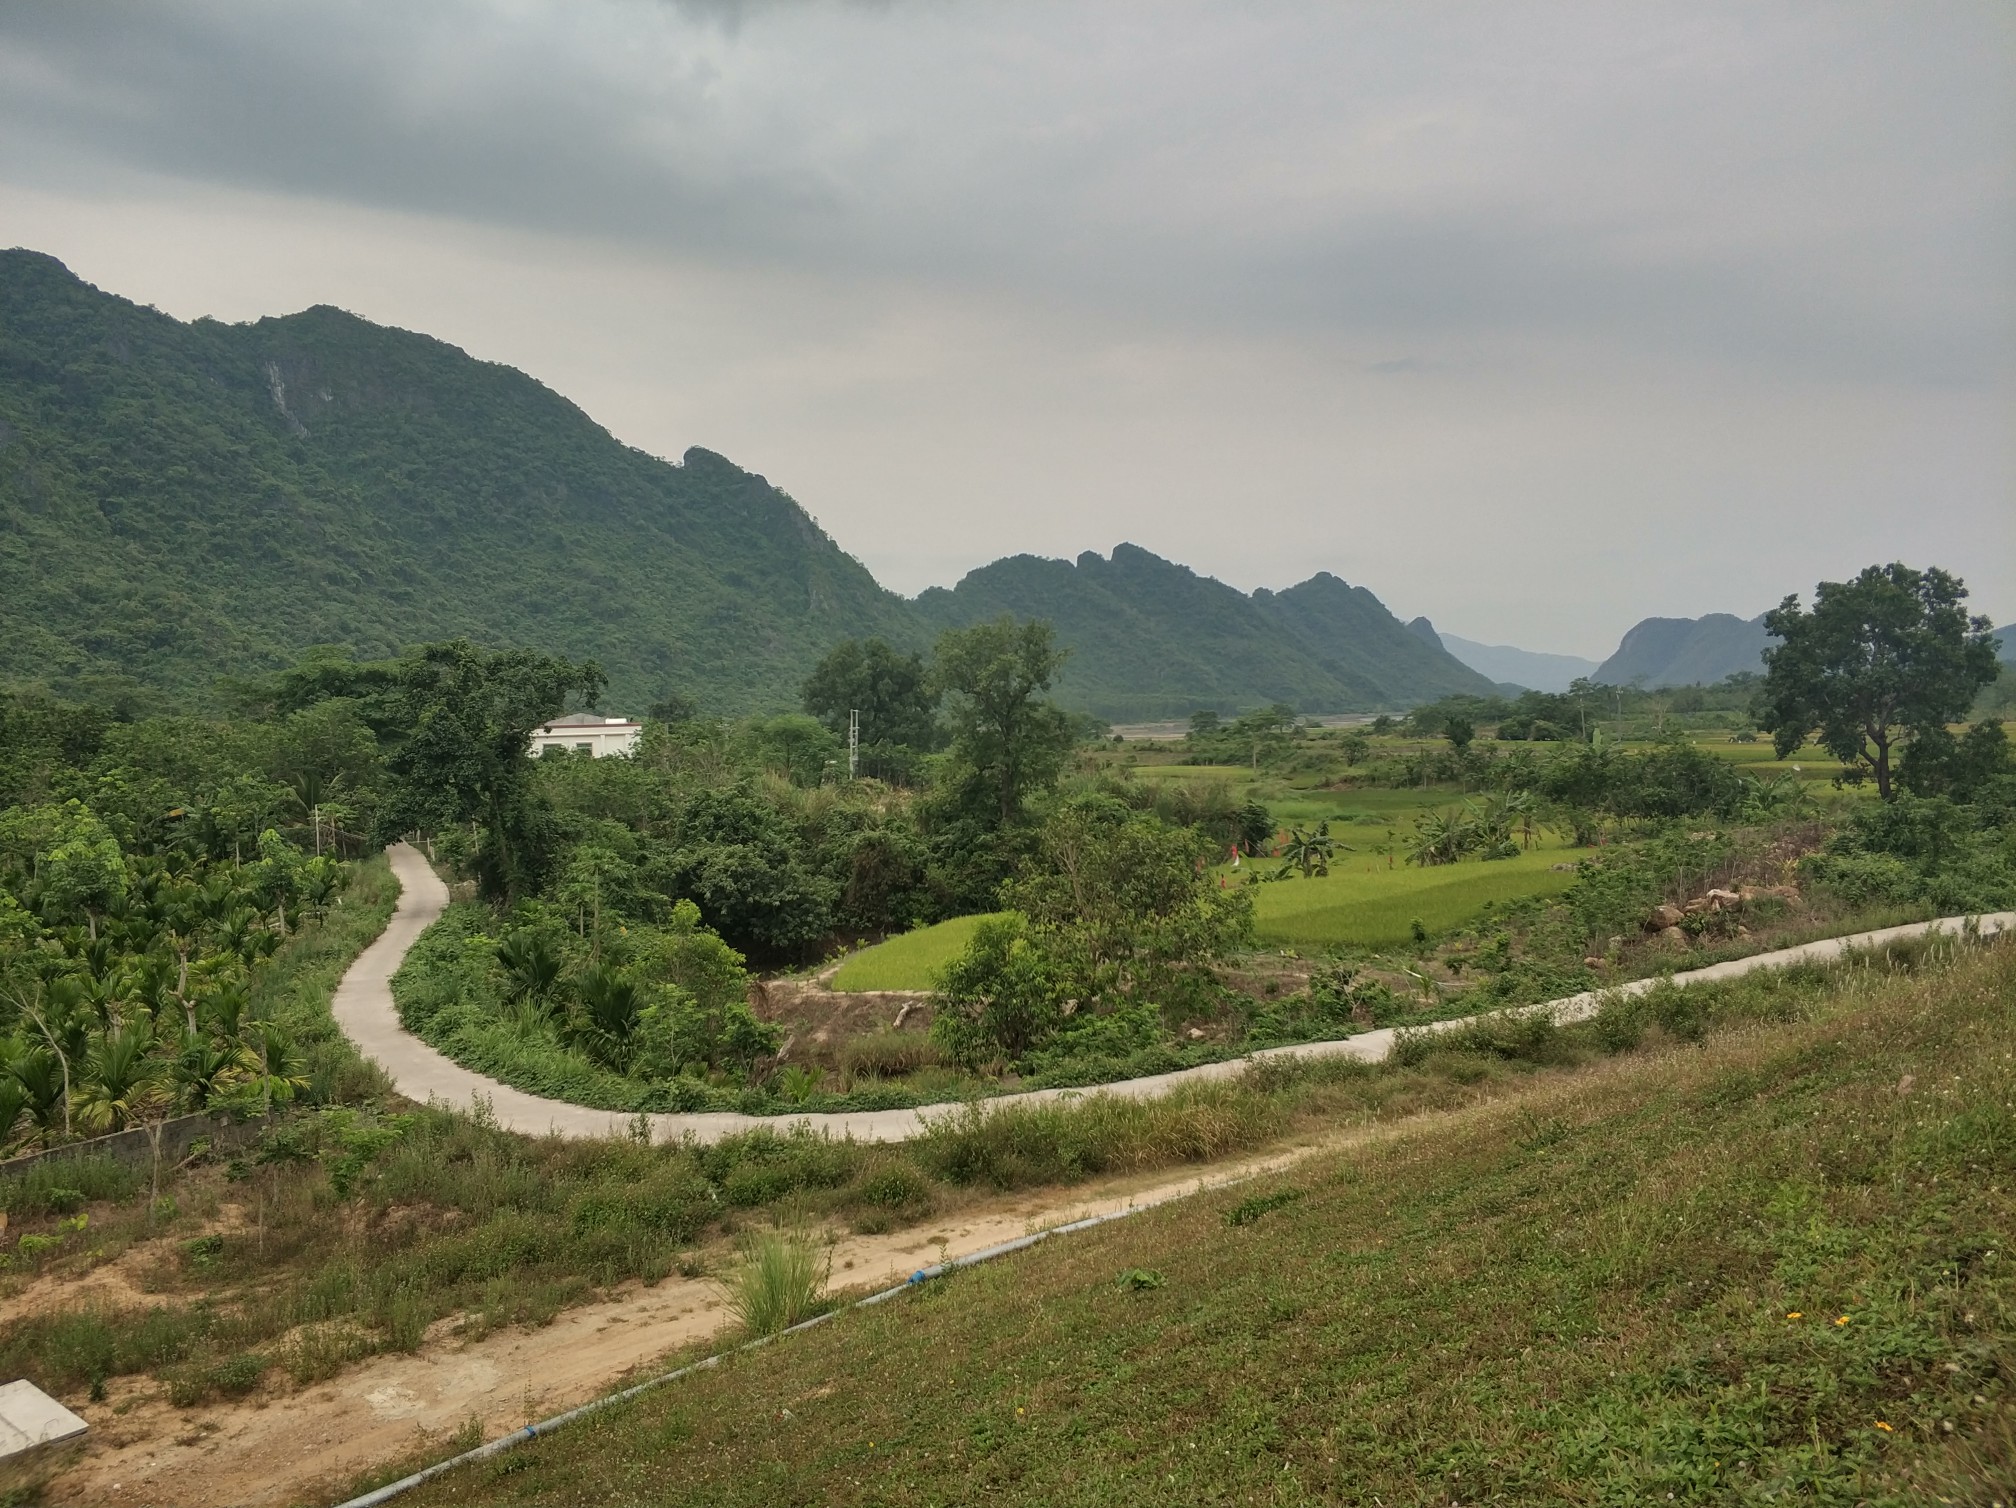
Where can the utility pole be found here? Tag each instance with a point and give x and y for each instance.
(853, 741)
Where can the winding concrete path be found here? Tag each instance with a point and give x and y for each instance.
(363, 1008)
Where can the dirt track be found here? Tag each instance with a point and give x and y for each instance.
(309, 1445)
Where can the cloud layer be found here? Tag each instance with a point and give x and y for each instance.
(1534, 317)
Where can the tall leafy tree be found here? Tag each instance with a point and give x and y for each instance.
(465, 718)
(1881, 660)
(1008, 736)
(891, 690)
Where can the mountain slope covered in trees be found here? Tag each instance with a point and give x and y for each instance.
(182, 502)
(179, 501)
(1153, 639)
(1687, 651)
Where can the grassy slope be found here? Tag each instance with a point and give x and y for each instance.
(908, 962)
(1753, 1271)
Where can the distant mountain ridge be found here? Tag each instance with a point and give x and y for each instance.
(1153, 639)
(1519, 667)
(185, 501)
(1687, 651)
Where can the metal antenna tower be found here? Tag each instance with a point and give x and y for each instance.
(853, 741)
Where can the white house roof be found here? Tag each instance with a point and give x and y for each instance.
(590, 720)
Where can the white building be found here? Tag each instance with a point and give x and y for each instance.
(587, 733)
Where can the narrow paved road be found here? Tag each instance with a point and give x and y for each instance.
(363, 1007)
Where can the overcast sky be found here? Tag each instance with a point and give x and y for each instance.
(1536, 318)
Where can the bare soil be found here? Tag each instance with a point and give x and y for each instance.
(819, 1020)
(282, 1447)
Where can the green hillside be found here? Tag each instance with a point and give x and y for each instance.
(1769, 1266)
(180, 502)
(183, 500)
(1153, 639)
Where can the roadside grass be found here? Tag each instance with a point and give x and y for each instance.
(351, 1232)
(779, 1282)
(1769, 1267)
(1362, 903)
(296, 991)
(908, 961)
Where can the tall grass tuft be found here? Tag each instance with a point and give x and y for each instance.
(779, 1282)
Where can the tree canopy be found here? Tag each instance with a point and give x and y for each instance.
(891, 690)
(467, 717)
(1887, 658)
(1007, 738)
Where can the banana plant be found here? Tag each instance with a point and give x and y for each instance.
(1309, 850)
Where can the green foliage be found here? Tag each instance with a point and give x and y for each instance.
(779, 1282)
(466, 719)
(641, 1021)
(185, 499)
(891, 691)
(1000, 996)
(1886, 658)
(138, 985)
(1949, 856)
(1113, 915)
(1007, 743)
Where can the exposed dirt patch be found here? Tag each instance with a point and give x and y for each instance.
(284, 1447)
(819, 1021)
(130, 1280)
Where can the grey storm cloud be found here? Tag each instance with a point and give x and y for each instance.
(1552, 260)
(1379, 169)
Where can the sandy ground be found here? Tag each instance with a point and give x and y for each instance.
(307, 1446)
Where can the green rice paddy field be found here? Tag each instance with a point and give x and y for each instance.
(907, 962)
(1360, 903)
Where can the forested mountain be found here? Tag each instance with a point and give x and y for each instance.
(1686, 651)
(184, 502)
(1153, 639)
(179, 501)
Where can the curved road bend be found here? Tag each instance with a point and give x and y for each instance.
(363, 1008)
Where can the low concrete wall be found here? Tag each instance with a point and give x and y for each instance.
(135, 1148)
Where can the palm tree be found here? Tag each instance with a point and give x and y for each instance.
(13, 1104)
(320, 880)
(531, 966)
(279, 1069)
(223, 1011)
(121, 1079)
(602, 1025)
(205, 1067)
(42, 1076)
